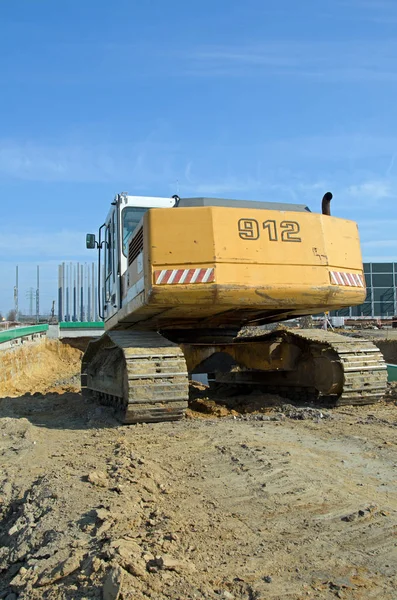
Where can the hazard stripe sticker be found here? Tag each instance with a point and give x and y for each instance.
(184, 276)
(346, 279)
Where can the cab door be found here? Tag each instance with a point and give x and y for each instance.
(112, 297)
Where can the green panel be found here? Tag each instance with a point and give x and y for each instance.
(387, 309)
(367, 267)
(342, 312)
(392, 372)
(383, 309)
(382, 280)
(365, 310)
(81, 325)
(382, 267)
(384, 294)
(13, 334)
(368, 280)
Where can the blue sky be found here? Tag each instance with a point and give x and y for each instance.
(267, 100)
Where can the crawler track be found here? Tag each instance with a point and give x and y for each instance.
(141, 374)
(329, 367)
(363, 366)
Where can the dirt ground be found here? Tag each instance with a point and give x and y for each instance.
(230, 503)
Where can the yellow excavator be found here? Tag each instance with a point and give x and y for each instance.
(179, 278)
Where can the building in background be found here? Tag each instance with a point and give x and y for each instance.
(381, 300)
(77, 292)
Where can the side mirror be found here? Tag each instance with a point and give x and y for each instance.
(90, 241)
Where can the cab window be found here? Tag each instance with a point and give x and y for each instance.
(130, 219)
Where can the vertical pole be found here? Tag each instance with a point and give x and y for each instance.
(394, 292)
(71, 291)
(63, 292)
(31, 302)
(81, 293)
(59, 293)
(96, 297)
(74, 294)
(38, 295)
(78, 293)
(92, 292)
(16, 295)
(67, 294)
(87, 287)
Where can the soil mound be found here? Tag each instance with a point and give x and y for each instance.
(41, 367)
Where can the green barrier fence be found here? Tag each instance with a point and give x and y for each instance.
(81, 325)
(13, 334)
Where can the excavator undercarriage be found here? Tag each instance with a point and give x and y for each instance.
(145, 376)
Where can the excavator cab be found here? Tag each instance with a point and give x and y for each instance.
(124, 216)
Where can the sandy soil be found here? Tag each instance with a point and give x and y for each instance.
(38, 367)
(283, 503)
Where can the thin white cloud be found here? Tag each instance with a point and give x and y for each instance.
(380, 258)
(228, 185)
(376, 11)
(347, 61)
(380, 224)
(375, 190)
(38, 162)
(60, 245)
(152, 161)
(35, 161)
(380, 244)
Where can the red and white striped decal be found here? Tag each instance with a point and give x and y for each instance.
(349, 279)
(174, 276)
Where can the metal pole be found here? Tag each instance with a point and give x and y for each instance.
(59, 293)
(30, 295)
(81, 293)
(38, 295)
(96, 298)
(92, 292)
(67, 294)
(87, 292)
(78, 293)
(16, 295)
(70, 283)
(74, 294)
(63, 293)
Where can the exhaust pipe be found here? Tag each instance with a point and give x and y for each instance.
(326, 204)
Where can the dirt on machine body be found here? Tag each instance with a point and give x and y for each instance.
(182, 277)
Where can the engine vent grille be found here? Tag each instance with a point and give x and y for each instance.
(135, 246)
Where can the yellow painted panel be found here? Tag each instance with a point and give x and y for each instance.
(264, 260)
(342, 244)
(192, 236)
(268, 237)
(178, 235)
